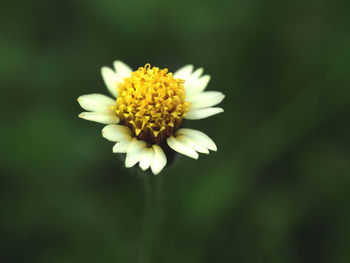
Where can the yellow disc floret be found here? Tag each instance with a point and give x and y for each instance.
(151, 102)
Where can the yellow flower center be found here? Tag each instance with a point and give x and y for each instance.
(151, 102)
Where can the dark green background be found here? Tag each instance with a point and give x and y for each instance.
(277, 190)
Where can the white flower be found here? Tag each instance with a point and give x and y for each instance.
(145, 118)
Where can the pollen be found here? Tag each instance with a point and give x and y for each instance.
(151, 102)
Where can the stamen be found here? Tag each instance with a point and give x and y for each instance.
(152, 103)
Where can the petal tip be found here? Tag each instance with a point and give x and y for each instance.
(156, 172)
(117, 61)
(104, 68)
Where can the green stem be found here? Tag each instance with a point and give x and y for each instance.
(153, 214)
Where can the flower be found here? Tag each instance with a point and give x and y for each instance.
(147, 117)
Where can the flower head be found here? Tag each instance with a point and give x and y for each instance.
(146, 119)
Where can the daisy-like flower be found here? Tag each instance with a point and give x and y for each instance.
(146, 116)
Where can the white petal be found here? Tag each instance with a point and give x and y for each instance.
(110, 78)
(96, 102)
(115, 133)
(184, 72)
(146, 159)
(181, 147)
(205, 99)
(100, 117)
(122, 146)
(197, 85)
(197, 73)
(199, 137)
(196, 114)
(134, 152)
(122, 70)
(205, 95)
(194, 82)
(159, 159)
(192, 143)
(192, 79)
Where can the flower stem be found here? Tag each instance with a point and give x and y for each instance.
(153, 214)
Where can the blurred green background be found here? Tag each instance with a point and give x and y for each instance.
(277, 190)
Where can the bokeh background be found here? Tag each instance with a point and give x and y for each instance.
(277, 190)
